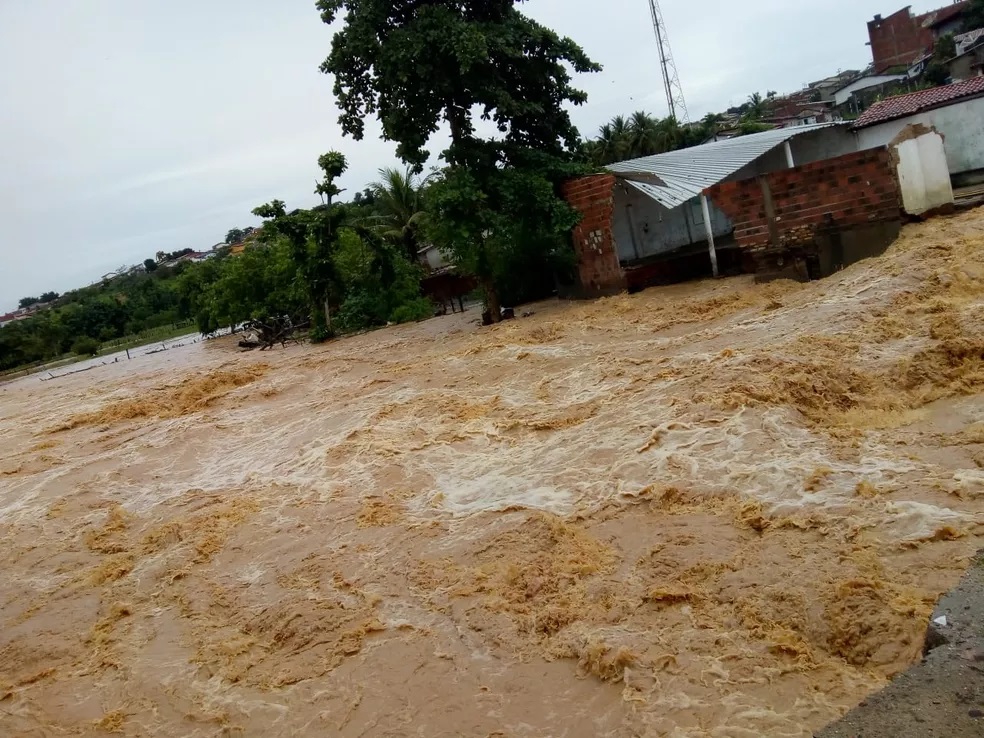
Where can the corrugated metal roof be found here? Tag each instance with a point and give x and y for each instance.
(675, 177)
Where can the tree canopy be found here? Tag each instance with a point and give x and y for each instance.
(500, 82)
(974, 15)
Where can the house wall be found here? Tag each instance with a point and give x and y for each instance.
(924, 179)
(825, 143)
(642, 227)
(967, 65)
(599, 271)
(898, 39)
(960, 124)
(818, 145)
(844, 94)
(856, 189)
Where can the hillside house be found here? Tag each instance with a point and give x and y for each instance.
(902, 38)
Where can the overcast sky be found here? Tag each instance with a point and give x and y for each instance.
(130, 126)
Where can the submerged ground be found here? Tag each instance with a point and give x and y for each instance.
(718, 509)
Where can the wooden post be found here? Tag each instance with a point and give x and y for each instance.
(710, 233)
(127, 354)
(790, 164)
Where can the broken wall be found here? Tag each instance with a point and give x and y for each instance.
(924, 177)
(598, 268)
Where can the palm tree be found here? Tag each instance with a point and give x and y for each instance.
(621, 132)
(644, 134)
(755, 107)
(608, 147)
(399, 203)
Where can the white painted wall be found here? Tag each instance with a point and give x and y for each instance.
(961, 126)
(844, 93)
(924, 176)
(642, 227)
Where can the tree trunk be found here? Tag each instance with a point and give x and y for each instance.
(328, 316)
(492, 301)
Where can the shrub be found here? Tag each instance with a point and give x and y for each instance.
(417, 309)
(86, 346)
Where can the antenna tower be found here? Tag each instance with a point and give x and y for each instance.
(671, 78)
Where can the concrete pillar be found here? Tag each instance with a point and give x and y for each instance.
(789, 154)
(710, 233)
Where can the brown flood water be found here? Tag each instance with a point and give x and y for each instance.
(719, 509)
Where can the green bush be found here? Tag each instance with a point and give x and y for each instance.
(86, 346)
(418, 309)
(362, 310)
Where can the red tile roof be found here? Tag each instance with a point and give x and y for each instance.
(903, 105)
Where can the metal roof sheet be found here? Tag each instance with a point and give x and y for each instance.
(675, 177)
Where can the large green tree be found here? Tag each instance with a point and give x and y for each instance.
(499, 82)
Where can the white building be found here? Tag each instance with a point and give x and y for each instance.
(955, 110)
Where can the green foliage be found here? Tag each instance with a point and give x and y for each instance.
(938, 70)
(28, 301)
(751, 126)
(86, 346)
(945, 47)
(974, 16)
(755, 108)
(381, 285)
(150, 265)
(124, 305)
(47, 297)
(398, 199)
(312, 236)
(235, 235)
(644, 135)
(419, 66)
(260, 282)
(410, 312)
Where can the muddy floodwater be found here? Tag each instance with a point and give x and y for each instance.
(717, 509)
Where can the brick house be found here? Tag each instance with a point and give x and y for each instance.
(804, 195)
(901, 39)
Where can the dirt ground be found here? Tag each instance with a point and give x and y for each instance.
(719, 509)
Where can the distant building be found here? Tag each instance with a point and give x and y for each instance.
(901, 39)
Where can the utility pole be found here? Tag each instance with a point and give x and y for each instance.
(671, 78)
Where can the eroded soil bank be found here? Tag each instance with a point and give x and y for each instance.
(718, 509)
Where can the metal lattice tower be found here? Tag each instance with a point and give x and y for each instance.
(671, 78)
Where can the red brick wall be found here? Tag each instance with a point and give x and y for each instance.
(898, 39)
(597, 256)
(854, 189)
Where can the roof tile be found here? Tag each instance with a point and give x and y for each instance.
(914, 102)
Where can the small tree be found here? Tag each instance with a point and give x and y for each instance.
(28, 301)
(149, 265)
(85, 346)
(48, 297)
(312, 236)
(235, 235)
